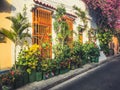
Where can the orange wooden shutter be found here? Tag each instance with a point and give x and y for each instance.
(81, 37)
(70, 24)
(42, 20)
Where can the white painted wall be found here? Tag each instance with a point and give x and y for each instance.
(68, 6)
(18, 7)
(19, 4)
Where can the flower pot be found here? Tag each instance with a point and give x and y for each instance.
(32, 76)
(97, 59)
(93, 59)
(62, 71)
(38, 76)
(45, 75)
(18, 82)
(25, 78)
(73, 66)
(56, 72)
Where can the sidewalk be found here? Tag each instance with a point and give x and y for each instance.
(45, 84)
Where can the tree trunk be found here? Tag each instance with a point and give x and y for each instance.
(15, 54)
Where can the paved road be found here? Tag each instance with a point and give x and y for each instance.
(107, 77)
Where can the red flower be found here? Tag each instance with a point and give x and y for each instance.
(12, 73)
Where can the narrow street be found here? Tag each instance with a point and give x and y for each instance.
(106, 77)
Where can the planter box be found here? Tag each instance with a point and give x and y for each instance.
(95, 59)
(57, 72)
(25, 78)
(45, 75)
(18, 82)
(38, 76)
(32, 76)
(72, 67)
(62, 71)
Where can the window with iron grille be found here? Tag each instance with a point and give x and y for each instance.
(42, 20)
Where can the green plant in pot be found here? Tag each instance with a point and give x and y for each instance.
(90, 52)
(18, 75)
(65, 58)
(95, 53)
(46, 67)
(28, 58)
(7, 80)
(54, 67)
(105, 37)
(39, 70)
(76, 53)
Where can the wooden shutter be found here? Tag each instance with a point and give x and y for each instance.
(42, 20)
(70, 24)
(81, 37)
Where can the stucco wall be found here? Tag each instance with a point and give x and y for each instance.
(69, 8)
(5, 48)
(19, 5)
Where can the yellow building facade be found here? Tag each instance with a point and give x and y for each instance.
(5, 47)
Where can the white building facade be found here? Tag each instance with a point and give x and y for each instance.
(40, 14)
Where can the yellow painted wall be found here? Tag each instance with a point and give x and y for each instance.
(5, 48)
(116, 44)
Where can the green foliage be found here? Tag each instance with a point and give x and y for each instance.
(19, 26)
(82, 15)
(29, 58)
(77, 49)
(76, 53)
(60, 11)
(46, 64)
(61, 27)
(104, 38)
(62, 54)
(7, 79)
(90, 50)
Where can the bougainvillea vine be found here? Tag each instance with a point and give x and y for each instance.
(107, 11)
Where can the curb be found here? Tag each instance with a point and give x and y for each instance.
(71, 76)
